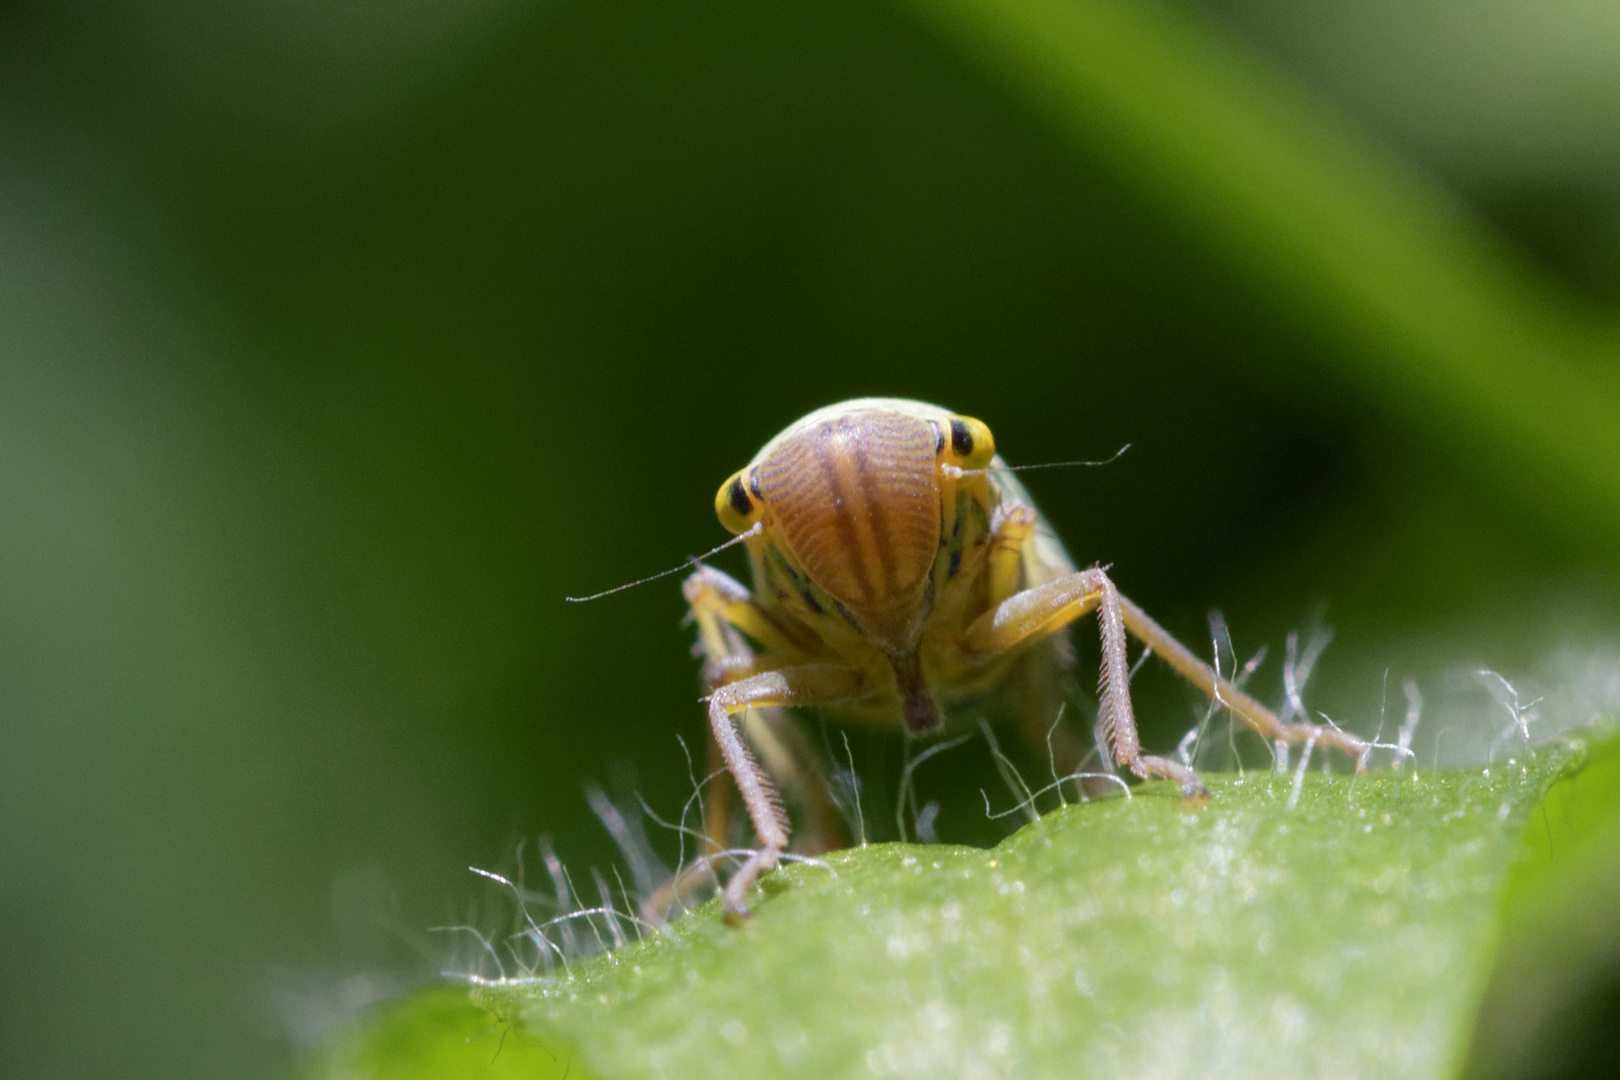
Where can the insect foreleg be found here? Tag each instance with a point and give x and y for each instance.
(1114, 713)
(1038, 611)
(812, 684)
(723, 608)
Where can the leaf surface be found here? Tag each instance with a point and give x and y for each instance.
(1348, 935)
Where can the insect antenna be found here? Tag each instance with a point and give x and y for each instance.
(1044, 465)
(739, 538)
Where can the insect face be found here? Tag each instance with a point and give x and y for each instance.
(853, 499)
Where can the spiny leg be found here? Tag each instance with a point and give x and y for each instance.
(719, 605)
(810, 684)
(788, 756)
(717, 808)
(723, 609)
(1043, 609)
(1114, 713)
(1043, 683)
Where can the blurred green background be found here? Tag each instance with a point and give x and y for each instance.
(339, 342)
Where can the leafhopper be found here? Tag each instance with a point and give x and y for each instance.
(899, 573)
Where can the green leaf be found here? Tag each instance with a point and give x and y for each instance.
(442, 1034)
(1350, 932)
(1560, 923)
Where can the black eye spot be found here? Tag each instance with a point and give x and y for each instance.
(740, 501)
(961, 438)
(939, 437)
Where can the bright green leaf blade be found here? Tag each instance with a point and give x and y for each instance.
(442, 1035)
(1560, 922)
(1348, 936)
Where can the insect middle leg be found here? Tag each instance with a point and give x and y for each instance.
(1043, 609)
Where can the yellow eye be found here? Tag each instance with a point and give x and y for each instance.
(736, 504)
(968, 443)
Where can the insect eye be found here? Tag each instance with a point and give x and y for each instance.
(736, 504)
(967, 443)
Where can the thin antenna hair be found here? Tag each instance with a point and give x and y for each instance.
(739, 538)
(1068, 464)
(1047, 464)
